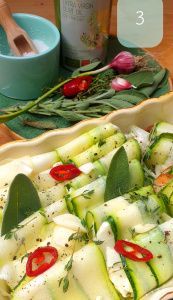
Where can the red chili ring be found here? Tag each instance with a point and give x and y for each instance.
(64, 172)
(36, 255)
(131, 254)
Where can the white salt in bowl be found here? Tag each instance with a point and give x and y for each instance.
(25, 77)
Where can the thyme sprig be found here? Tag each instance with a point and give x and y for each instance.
(132, 231)
(86, 194)
(68, 266)
(151, 139)
(12, 233)
(77, 237)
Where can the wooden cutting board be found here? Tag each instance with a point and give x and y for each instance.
(7, 135)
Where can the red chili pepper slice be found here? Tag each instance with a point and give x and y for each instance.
(37, 257)
(77, 85)
(64, 172)
(119, 247)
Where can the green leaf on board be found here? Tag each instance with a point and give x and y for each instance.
(118, 178)
(71, 115)
(82, 106)
(22, 197)
(109, 94)
(140, 78)
(39, 124)
(86, 68)
(164, 80)
(148, 90)
(115, 103)
(132, 96)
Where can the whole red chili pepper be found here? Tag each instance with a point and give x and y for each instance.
(38, 257)
(77, 85)
(119, 247)
(64, 172)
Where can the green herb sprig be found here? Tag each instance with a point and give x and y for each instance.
(77, 237)
(98, 101)
(13, 233)
(65, 280)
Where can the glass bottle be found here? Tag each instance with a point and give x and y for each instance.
(84, 28)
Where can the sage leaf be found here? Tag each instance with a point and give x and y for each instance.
(118, 178)
(82, 106)
(132, 96)
(39, 124)
(86, 68)
(71, 115)
(115, 103)
(140, 78)
(148, 90)
(109, 94)
(164, 80)
(6, 118)
(22, 198)
(57, 103)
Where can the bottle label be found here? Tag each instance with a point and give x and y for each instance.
(84, 31)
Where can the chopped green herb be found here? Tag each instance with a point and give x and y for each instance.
(86, 194)
(98, 242)
(68, 266)
(132, 231)
(155, 210)
(148, 153)
(42, 212)
(101, 143)
(77, 236)
(67, 187)
(83, 222)
(12, 233)
(170, 171)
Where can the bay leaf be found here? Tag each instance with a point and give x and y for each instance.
(22, 199)
(118, 178)
(86, 68)
(140, 78)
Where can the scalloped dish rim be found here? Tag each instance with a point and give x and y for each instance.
(144, 114)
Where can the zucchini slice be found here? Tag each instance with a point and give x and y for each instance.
(161, 152)
(154, 241)
(85, 281)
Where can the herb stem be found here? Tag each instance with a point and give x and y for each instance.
(6, 118)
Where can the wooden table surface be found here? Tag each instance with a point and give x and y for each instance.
(45, 8)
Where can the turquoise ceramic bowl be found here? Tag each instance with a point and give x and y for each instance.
(25, 77)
